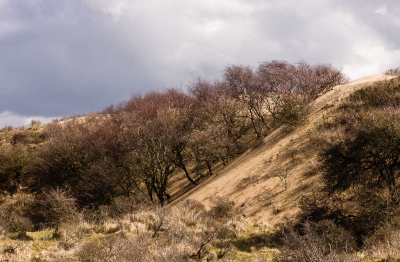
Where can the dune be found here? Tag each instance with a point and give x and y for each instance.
(268, 181)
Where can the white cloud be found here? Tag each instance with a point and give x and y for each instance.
(116, 10)
(8, 118)
(376, 59)
(73, 57)
(382, 10)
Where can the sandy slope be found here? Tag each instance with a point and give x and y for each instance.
(251, 181)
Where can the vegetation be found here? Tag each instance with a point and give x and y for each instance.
(139, 145)
(359, 153)
(98, 187)
(393, 71)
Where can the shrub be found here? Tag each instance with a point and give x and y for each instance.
(393, 71)
(191, 211)
(122, 205)
(15, 214)
(314, 206)
(205, 234)
(57, 207)
(360, 161)
(378, 95)
(221, 208)
(322, 241)
(293, 111)
(384, 244)
(367, 162)
(177, 252)
(116, 247)
(72, 232)
(14, 165)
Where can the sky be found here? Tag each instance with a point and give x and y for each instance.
(64, 58)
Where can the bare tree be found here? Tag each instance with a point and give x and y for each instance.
(246, 86)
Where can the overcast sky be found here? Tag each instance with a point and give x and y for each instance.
(62, 58)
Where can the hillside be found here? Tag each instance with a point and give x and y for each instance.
(255, 180)
(286, 162)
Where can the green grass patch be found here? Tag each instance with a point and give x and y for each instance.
(40, 245)
(261, 255)
(255, 239)
(41, 235)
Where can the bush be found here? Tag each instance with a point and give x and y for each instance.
(381, 94)
(322, 241)
(314, 206)
(191, 211)
(384, 244)
(15, 214)
(221, 208)
(293, 111)
(393, 71)
(57, 207)
(116, 247)
(14, 166)
(71, 233)
(360, 161)
(158, 219)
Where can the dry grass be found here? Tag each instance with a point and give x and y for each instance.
(186, 232)
(222, 218)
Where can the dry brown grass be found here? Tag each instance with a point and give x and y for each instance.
(186, 232)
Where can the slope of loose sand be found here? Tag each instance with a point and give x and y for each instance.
(251, 180)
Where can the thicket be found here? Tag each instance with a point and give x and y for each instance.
(136, 147)
(360, 163)
(131, 151)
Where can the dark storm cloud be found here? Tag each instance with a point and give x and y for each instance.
(60, 58)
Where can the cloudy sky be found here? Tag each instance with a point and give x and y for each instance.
(62, 58)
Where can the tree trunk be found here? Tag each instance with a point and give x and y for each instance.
(209, 168)
(182, 166)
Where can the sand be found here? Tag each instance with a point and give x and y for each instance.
(250, 180)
